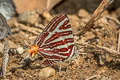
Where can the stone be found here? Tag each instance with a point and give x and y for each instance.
(29, 17)
(20, 50)
(83, 13)
(12, 44)
(46, 72)
(74, 21)
(7, 8)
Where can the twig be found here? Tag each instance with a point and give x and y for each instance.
(95, 76)
(114, 20)
(40, 26)
(48, 5)
(32, 30)
(114, 52)
(5, 59)
(118, 23)
(118, 49)
(96, 15)
(92, 77)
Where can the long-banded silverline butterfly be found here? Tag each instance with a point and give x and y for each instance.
(55, 43)
(4, 28)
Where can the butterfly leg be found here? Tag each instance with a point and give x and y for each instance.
(60, 65)
(60, 70)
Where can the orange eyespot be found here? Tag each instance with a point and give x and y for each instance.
(33, 50)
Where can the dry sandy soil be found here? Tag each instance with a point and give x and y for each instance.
(91, 61)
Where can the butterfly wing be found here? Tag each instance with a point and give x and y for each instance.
(56, 42)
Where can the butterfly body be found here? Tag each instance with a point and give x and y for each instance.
(56, 43)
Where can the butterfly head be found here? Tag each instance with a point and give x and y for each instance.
(33, 50)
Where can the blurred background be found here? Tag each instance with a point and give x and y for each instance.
(12, 7)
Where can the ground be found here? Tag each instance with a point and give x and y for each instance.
(91, 61)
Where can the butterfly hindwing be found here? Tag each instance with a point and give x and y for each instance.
(56, 40)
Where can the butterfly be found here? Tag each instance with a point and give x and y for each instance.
(4, 28)
(56, 42)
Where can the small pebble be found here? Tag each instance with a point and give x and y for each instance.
(20, 50)
(74, 21)
(29, 17)
(83, 13)
(46, 72)
(23, 17)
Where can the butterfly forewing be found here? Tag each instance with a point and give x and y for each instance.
(56, 42)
